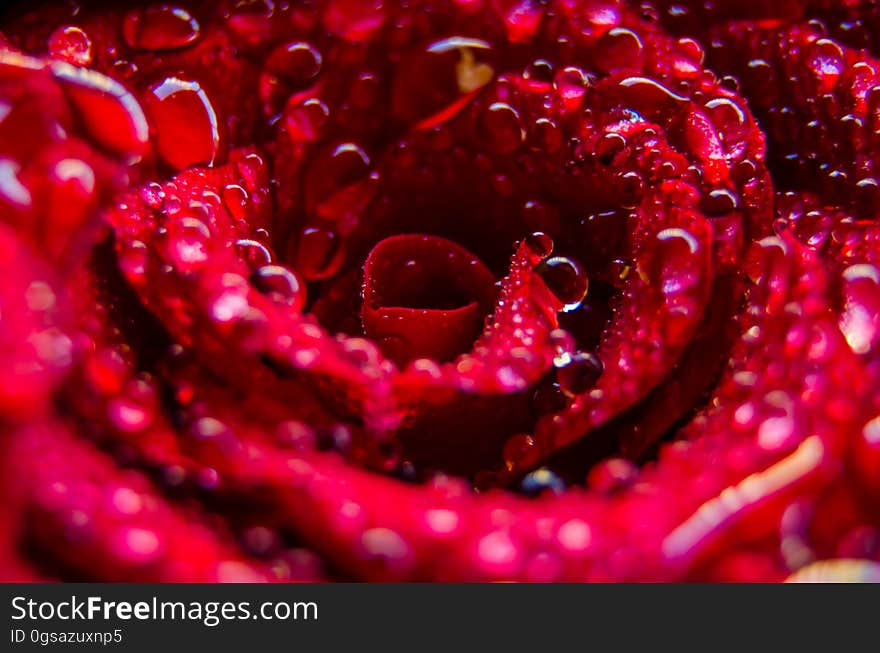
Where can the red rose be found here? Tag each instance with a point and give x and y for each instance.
(440, 290)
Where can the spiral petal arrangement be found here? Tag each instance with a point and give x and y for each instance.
(575, 290)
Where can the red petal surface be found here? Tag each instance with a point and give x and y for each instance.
(581, 290)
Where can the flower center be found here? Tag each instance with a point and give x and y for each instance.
(425, 297)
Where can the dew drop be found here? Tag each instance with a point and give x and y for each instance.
(253, 252)
(187, 243)
(280, 284)
(187, 127)
(304, 121)
(609, 146)
(340, 183)
(109, 113)
(539, 75)
(235, 199)
(566, 279)
(523, 19)
(827, 63)
(319, 253)
(72, 45)
(539, 245)
(571, 86)
(540, 481)
(159, 28)
(620, 49)
(289, 68)
(500, 128)
(860, 320)
(578, 373)
(719, 202)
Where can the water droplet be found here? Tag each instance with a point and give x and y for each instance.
(719, 201)
(159, 28)
(827, 63)
(252, 20)
(540, 481)
(578, 373)
(612, 475)
(539, 74)
(630, 187)
(732, 123)
(498, 553)
(571, 86)
(187, 243)
(186, 125)
(675, 269)
(319, 253)
(128, 415)
(539, 244)
(609, 146)
(500, 128)
(289, 68)
(860, 321)
(566, 279)
(691, 49)
(304, 121)
(546, 136)
(649, 97)
(235, 199)
(72, 45)
(744, 171)
(340, 183)
(702, 138)
(260, 541)
(281, 284)
(522, 18)
(109, 113)
(619, 49)
(137, 545)
(867, 199)
(253, 252)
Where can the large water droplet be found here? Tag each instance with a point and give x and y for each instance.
(619, 49)
(289, 68)
(159, 28)
(539, 245)
(827, 63)
(540, 481)
(280, 284)
(566, 279)
(109, 113)
(187, 243)
(253, 252)
(860, 321)
(571, 86)
(72, 45)
(304, 121)
(675, 269)
(578, 373)
(186, 125)
(319, 253)
(340, 183)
